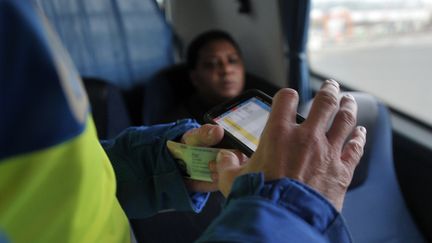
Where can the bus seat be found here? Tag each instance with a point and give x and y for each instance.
(170, 87)
(255, 82)
(374, 207)
(109, 110)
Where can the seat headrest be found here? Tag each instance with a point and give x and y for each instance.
(367, 116)
(109, 111)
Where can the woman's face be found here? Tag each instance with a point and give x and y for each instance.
(219, 73)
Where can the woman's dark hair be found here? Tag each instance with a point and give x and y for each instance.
(203, 39)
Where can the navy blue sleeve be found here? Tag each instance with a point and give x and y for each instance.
(148, 178)
(276, 211)
(42, 100)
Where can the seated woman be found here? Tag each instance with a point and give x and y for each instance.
(216, 71)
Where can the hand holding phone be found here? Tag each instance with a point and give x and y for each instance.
(321, 156)
(243, 119)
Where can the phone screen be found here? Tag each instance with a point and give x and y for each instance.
(246, 121)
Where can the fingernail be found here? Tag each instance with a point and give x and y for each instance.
(363, 129)
(332, 82)
(210, 133)
(349, 96)
(222, 153)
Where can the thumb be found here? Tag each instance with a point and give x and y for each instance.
(228, 167)
(206, 135)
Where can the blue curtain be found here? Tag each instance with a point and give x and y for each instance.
(122, 41)
(295, 23)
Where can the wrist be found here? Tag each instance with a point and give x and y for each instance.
(292, 195)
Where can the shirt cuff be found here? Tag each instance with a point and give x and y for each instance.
(148, 177)
(197, 200)
(289, 194)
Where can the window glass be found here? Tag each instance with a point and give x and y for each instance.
(383, 47)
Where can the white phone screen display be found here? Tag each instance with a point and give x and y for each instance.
(246, 121)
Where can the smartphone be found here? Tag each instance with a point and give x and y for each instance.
(243, 119)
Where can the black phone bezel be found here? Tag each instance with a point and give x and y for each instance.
(230, 140)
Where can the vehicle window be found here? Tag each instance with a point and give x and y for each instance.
(383, 47)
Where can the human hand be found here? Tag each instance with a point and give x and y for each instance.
(226, 168)
(206, 136)
(311, 153)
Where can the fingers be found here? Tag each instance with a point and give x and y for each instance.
(226, 159)
(241, 156)
(230, 163)
(228, 167)
(353, 149)
(284, 107)
(324, 105)
(207, 135)
(344, 122)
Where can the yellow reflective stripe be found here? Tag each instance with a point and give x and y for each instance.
(65, 193)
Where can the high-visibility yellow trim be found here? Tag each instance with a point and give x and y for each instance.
(65, 193)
